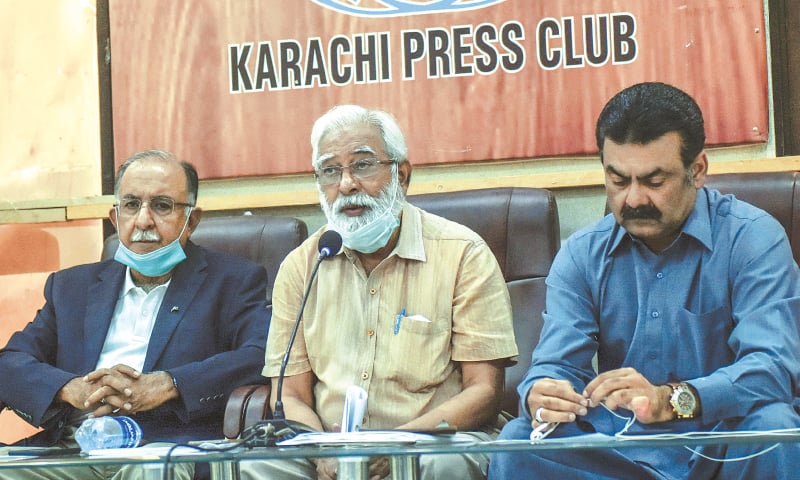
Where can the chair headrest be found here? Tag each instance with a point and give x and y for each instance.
(520, 225)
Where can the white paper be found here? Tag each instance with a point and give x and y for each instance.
(145, 451)
(355, 407)
(362, 437)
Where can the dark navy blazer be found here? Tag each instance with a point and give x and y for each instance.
(210, 334)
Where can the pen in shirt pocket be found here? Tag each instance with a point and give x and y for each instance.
(398, 320)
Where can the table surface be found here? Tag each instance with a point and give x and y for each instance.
(441, 445)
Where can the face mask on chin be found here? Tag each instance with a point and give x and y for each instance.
(375, 234)
(158, 262)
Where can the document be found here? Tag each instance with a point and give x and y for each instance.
(160, 450)
(355, 407)
(359, 437)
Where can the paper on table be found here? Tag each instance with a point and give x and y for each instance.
(158, 451)
(363, 437)
(355, 406)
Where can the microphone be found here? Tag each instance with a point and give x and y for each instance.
(278, 428)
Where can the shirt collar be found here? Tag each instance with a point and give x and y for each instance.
(697, 226)
(128, 284)
(409, 244)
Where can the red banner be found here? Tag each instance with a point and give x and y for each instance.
(235, 85)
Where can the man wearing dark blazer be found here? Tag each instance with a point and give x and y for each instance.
(162, 333)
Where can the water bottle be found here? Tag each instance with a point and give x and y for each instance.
(108, 432)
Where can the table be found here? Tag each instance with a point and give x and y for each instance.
(404, 457)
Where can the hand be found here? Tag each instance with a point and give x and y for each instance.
(128, 391)
(627, 388)
(326, 468)
(378, 468)
(77, 391)
(557, 399)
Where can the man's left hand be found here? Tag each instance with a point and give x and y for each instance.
(629, 389)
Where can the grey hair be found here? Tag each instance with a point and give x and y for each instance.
(192, 182)
(344, 117)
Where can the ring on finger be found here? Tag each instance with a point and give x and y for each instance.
(103, 401)
(538, 415)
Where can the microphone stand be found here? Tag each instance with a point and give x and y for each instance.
(269, 432)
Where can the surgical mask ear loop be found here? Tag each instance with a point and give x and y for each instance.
(629, 421)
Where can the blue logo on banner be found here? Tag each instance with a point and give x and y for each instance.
(389, 8)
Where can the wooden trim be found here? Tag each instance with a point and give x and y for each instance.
(216, 199)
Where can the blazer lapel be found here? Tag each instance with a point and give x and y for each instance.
(100, 303)
(185, 285)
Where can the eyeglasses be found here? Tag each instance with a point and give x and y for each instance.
(363, 168)
(161, 206)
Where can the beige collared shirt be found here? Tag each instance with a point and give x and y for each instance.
(444, 284)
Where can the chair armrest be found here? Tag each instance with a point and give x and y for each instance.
(247, 405)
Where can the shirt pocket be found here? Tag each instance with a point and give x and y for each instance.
(418, 356)
(701, 340)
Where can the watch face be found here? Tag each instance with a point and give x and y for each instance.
(685, 402)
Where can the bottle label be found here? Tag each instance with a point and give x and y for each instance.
(131, 433)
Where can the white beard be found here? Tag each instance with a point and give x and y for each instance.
(373, 206)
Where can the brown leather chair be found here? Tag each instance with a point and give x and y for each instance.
(778, 193)
(265, 240)
(521, 227)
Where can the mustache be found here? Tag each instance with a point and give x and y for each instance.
(145, 236)
(645, 212)
(359, 199)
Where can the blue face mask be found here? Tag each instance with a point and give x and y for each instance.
(156, 263)
(376, 234)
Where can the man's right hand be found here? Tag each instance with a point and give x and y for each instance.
(77, 391)
(556, 401)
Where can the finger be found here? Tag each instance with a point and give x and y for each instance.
(620, 398)
(103, 410)
(640, 406)
(127, 371)
(563, 409)
(98, 397)
(121, 384)
(612, 380)
(558, 389)
(97, 374)
(379, 467)
(546, 415)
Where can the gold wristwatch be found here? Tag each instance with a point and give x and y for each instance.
(684, 400)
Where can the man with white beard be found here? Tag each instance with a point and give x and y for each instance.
(414, 309)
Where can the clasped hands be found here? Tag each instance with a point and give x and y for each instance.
(118, 390)
(551, 400)
(327, 468)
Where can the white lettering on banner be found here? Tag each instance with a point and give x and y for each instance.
(450, 53)
(439, 52)
(598, 42)
(364, 58)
